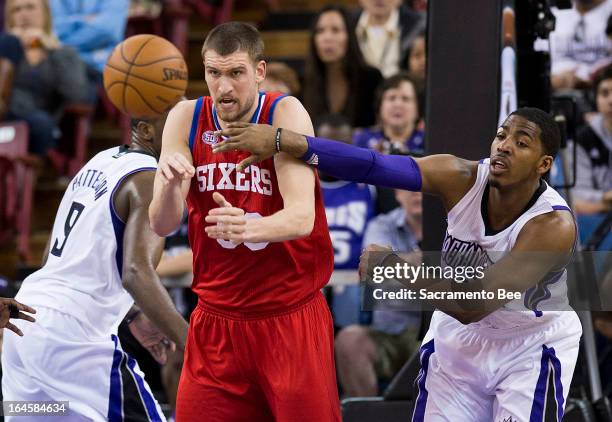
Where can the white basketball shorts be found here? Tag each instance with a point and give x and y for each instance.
(512, 375)
(55, 360)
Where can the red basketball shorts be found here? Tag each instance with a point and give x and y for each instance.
(279, 368)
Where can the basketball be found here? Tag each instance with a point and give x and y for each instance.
(145, 76)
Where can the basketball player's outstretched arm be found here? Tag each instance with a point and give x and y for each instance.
(541, 251)
(174, 171)
(142, 250)
(444, 175)
(296, 183)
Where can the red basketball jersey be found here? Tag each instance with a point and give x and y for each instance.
(250, 278)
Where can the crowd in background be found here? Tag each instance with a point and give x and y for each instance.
(363, 83)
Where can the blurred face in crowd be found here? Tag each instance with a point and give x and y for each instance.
(339, 133)
(274, 85)
(418, 58)
(331, 37)
(398, 107)
(233, 82)
(411, 202)
(380, 9)
(604, 99)
(26, 14)
(517, 153)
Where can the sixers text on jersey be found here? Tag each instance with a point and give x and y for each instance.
(251, 179)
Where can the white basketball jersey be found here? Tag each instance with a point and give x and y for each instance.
(467, 235)
(82, 275)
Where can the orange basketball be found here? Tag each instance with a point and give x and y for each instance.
(145, 76)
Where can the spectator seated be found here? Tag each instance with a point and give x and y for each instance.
(397, 110)
(16, 186)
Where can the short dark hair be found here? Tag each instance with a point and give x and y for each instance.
(600, 76)
(550, 135)
(230, 37)
(393, 82)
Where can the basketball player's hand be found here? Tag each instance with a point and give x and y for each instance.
(259, 140)
(174, 168)
(10, 308)
(365, 260)
(230, 223)
(149, 336)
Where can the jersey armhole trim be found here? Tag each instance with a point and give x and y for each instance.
(114, 214)
(273, 107)
(194, 122)
(576, 231)
(118, 224)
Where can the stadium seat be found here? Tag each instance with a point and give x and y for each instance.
(579, 410)
(76, 127)
(214, 11)
(172, 24)
(16, 186)
(71, 153)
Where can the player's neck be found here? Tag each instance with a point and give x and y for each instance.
(146, 147)
(506, 204)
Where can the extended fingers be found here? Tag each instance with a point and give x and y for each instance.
(165, 172)
(218, 233)
(228, 220)
(21, 306)
(25, 317)
(230, 143)
(226, 211)
(184, 162)
(220, 200)
(181, 166)
(247, 162)
(14, 329)
(158, 351)
(231, 131)
(226, 231)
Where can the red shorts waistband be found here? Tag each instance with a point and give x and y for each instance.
(246, 316)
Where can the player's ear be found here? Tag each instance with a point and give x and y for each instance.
(545, 164)
(145, 130)
(260, 71)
